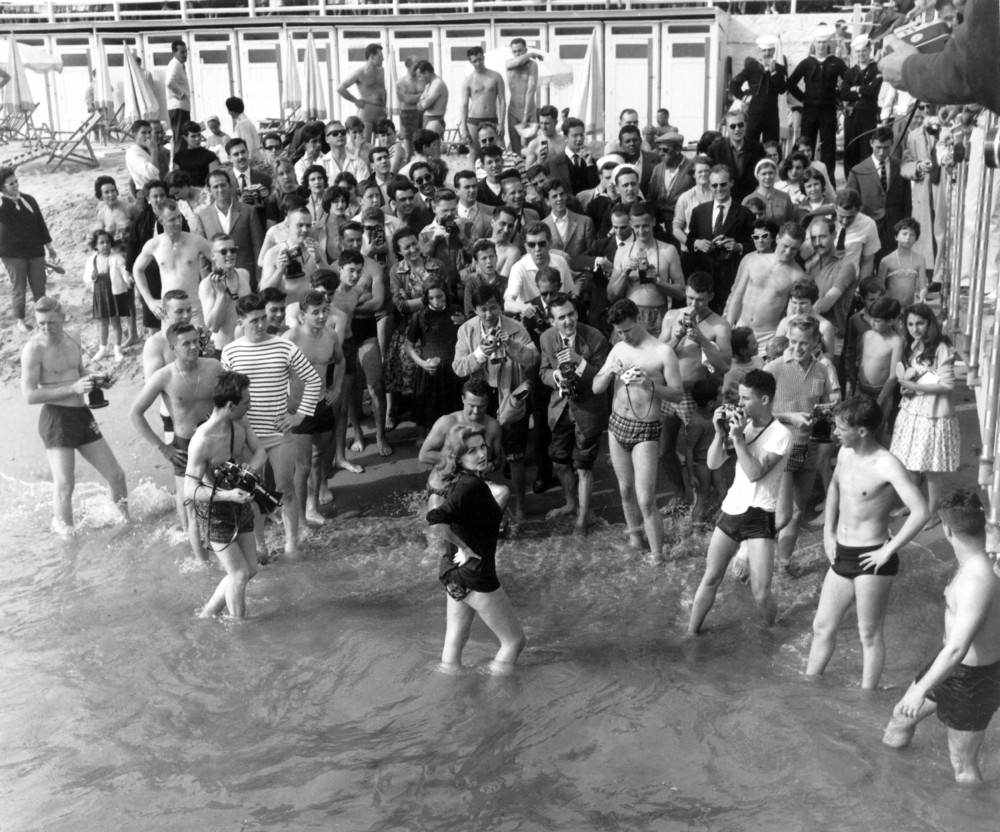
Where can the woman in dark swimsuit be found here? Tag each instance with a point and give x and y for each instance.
(469, 518)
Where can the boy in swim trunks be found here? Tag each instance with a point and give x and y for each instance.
(760, 443)
(52, 375)
(186, 385)
(963, 682)
(859, 545)
(646, 373)
(226, 437)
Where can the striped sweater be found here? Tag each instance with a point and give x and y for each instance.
(269, 365)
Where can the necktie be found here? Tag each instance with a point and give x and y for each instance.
(883, 176)
(717, 228)
(577, 161)
(841, 238)
(243, 181)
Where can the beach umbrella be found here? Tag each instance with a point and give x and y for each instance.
(36, 59)
(588, 102)
(16, 94)
(291, 98)
(314, 97)
(140, 97)
(391, 76)
(552, 71)
(103, 92)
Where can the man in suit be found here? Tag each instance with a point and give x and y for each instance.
(478, 215)
(720, 235)
(572, 234)
(737, 153)
(244, 175)
(885, 193)
(515, 197)
(599, 263)
(575, 166)
(490, 191)
(227, 215)
(630, 142)
(671, 177)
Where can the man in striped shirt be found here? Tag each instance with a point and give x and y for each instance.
(269, 362)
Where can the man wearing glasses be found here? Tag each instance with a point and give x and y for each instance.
(521, 288)
(338, 160)
(737, 153)
(220, 291)
(226, 215)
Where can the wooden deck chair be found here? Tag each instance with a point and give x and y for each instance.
(18, 125)
(75, 146)
(115, 128)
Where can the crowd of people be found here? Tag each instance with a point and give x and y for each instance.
(729, 318)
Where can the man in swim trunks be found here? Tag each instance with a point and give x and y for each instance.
(52, 375)
(408, 90)
(370, 80)
(760, 443)
(434, 98)
(482, 101)
(185, 385)
(226, 437)
(645, 373)
(522, 78)
(963, 682)
(856, 536)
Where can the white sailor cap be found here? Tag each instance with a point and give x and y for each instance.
(767, 42)
(611, 158)
(860, 42)
(822, 32)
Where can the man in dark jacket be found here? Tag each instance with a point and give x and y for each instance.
(737, 153)
(762, 82)
(859, 90)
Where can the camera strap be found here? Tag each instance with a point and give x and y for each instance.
(761, 432)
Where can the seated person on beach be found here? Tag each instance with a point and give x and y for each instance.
(645, 374)
(962, 683)
(185, 386)
(761, 444)
(52, 375)
(226, 437)
(861, 548)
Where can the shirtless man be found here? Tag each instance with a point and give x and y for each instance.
(963, 682)
(290, 265)
(219, 292)
(645, 373)
(760, 443)
(475, 399)
(548, 143)
(522, 78)
(370, 80)
(644, 259)
(763, 283)
(185, 385)
(226, 437)
(178, 254)
(859, 544)
(482, 101)
(408, 90)
(697, 335)
(52, 375)
(314, 434)
(434, 98)
(880, 349)
(346, 296)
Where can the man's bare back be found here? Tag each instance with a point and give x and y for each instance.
(985, 647)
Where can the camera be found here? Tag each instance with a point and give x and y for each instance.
(688, 319)
(294, 268)
(254, 195)
(95, 396)
(569, 387)
(822, 423)
(230, 474)
(731, 413)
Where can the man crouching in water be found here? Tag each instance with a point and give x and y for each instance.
(52, 375)
(226, 437)
(963, 682)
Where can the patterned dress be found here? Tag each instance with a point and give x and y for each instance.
(406, 283)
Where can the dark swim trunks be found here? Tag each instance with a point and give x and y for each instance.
(632, 432)
(848, 562)
(67, 427)
(350, 348)
(363, 329)
(320, 422)
(752, 524)
(227, 520)
(180, 444)
(967, 700)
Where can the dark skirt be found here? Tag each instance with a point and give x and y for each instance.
(435, 395)
(105, 305)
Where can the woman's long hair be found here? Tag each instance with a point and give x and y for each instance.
(455, 444)
(934, 335)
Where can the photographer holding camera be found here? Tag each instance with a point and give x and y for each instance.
(226, 438)
(290, 266)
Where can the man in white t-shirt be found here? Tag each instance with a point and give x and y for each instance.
(760, 443)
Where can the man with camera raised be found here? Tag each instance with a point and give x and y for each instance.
(572, 354)
(219, 291)
(289, 266)
(760, 442)
(224, 457)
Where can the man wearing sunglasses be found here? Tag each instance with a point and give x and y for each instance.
(521, 288)
(338, 160)
(225, 284)
(737, 153)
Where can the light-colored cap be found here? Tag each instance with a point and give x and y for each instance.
(668, 137)
(213, 118)
(623, 168)
(764, 163)
(610, 158)
(767, 42)
(860, 42)
(822, 32)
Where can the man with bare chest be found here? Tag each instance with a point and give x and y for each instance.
(346, 296)
(314, 435)
(185, 385)
(482, 101)
(697, 335)
(645, 373)
(52, 375)
(763, 285)
(219, 292)
(522, 78)
(178, 254)
(856, 537)
(370, 81)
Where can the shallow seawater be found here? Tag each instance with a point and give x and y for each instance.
(120, 710)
